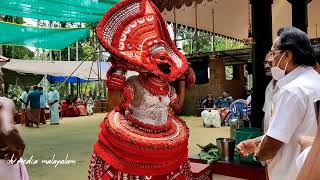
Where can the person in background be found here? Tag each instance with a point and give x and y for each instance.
(53, 102)
(90, 105)
(35, 111)
(23, 99)
(229, 96)
(42, 107)
(224, 101)
(306, 142)
(209, 102)
(71, 109)
(11, 144)
(209, 115)
(292, 114)
(81, 108)
(69, 100)
(248, 100)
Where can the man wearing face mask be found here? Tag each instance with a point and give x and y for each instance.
(292, 113)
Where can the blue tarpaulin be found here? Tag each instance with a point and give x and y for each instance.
(54, 79)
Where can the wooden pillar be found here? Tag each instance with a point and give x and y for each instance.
(300, 14)
(262, 33)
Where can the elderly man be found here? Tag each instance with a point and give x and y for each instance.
(11, 144)
(53, 102)
(292, 114)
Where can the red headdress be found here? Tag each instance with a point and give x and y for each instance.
(135, 33)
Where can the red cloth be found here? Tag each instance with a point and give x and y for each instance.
(43, 116)
(72, 111)
(24, 117)
(82, 110)
(69, 110)
(99, 169)
(129, 149)
(201, 171)
(34, 116)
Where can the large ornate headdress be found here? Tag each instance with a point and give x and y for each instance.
(135, 33)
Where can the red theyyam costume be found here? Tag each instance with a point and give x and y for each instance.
(140, 139)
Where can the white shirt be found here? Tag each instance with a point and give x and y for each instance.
(292, 117)
(267, 105)
(24, 97)
(248, 100)
(302, 158)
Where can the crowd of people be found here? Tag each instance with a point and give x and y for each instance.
(290, 123)
(74, 107)
(33, 105)
(35, 102)
(217, 112)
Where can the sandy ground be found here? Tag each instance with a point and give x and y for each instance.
(73, 140)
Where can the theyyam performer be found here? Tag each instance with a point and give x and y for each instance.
(142, 138)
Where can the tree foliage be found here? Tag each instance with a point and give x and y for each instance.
(200, 41)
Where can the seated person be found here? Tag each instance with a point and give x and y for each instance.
(248, 101)
(72, 110)
(210, 116)
(223, 104)
(224, 101)
(208, 102)
(81, 108)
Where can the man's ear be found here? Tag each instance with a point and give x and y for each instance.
(289, 54)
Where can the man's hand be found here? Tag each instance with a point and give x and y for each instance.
(247, 147)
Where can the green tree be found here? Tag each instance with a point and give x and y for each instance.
(193, 42)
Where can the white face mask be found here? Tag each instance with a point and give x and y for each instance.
(278, 73)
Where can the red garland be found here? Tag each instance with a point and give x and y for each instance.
(155, 85)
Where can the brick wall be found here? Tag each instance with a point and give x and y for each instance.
(216, 85)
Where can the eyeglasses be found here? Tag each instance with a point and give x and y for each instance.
(269, 63)
(272, 53)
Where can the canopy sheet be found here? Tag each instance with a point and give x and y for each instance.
(47, 38)
(25, 79)
(87, 11)
(88, 70)
(231, 17)
(72, 79)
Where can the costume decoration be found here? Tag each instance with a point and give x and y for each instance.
(140, 139)
(134, 32)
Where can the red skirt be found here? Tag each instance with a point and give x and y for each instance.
(125, 150)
